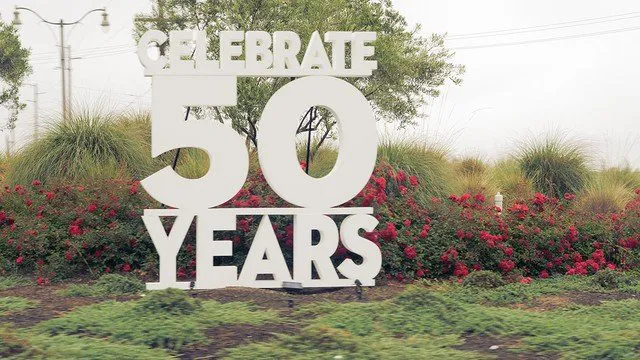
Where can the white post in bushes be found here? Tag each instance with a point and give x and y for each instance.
(497, 201)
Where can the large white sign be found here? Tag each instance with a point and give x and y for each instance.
(180, 81)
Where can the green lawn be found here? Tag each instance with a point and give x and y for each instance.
(566, 317)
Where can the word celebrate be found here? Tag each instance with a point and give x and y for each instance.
(177, 82)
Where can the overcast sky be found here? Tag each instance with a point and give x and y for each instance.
(583, 84)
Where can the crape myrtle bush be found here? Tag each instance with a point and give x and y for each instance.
(61, 231)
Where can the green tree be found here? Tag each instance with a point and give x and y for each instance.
(411, 68)
(14, 67)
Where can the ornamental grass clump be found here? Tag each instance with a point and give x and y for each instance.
(429, 162)
(609, 191)
(87, 145)
(556, 165)
(472, 175)
(507, 176)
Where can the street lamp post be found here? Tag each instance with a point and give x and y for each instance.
(104, 24)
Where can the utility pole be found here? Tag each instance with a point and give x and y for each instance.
(104, 24)
(36, 116)
(64, 92)
(70, 86)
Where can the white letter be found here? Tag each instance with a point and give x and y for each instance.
(167, 247)
(370, 253)
(179, 42)
(286, 46)
(359, 51)
(229, 161)
(151, 36)
(316, 55)
(305, 254)
(264, 243)
(257, 43)
(202, 63)
(277, 142)
(207, 248)
(228, 50)
(337, 40)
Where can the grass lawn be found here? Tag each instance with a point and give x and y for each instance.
(558, 318)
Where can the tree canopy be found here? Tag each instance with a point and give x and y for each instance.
(411, 68)
(14, 68)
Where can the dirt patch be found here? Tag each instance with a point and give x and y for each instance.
(545, 303)
(594, 298)
(229, 336)
(551, 302)
(281, 299)
(51, 305)
(498, 347)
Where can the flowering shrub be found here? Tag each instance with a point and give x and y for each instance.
(68, 230)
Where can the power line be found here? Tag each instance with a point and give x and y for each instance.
(506, 33)
(541, 26)
(86, 51)
(96, 55)
(568, 37)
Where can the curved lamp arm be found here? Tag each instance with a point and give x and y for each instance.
(60, 22)
(85, 15)
(36, 14)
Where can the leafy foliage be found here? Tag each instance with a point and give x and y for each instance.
(7, 282)
(12, 304)
(14, 68)
(31, 345)
(484, 279)
(169, 323)
(107, 285)
(410, 68)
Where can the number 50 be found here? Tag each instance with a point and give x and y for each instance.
(229, 160)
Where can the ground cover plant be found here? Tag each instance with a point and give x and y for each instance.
(565, 317)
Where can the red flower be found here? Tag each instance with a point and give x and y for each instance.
(420, 273)
(525, 280)
(19, 189)
(92, 207)
(50, 196)
(410, 252)
(75, 230)
(126, 267)
(569, 196)
(506, 265)
(401, 176)
(381, 183)
(133, 189)
(19, 260)
(36, 183)
(508, 251)
(544, 274)
(413, 180)
(407, 223)
(460, 270)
